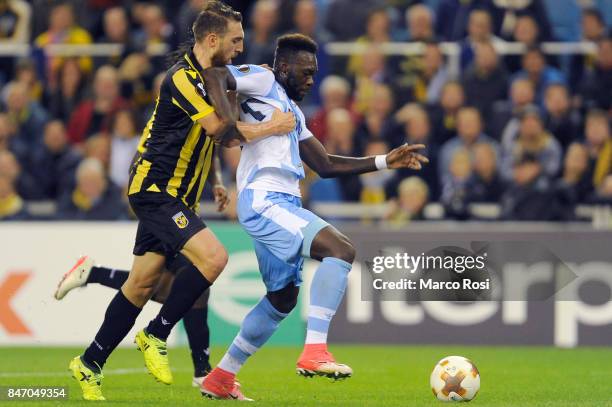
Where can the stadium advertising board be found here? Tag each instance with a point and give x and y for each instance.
(544, 286)
(577, 310)
(29, 274)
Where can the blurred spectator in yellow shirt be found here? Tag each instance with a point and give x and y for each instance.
(63, 30)
(413, 195)
(11, 204)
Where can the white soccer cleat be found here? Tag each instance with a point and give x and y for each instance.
(330, 369)
(197, 381)
(76, 277)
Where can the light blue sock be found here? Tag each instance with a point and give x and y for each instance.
(326, 292)
(258, 326)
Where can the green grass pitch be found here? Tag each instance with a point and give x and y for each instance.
(384, 376)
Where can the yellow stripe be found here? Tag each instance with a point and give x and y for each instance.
(200, 115)
(193, 66)
(196, 116)
(141, 173)
(188, 91)
(205, 171)
(184, 158)
(198, 168)
(146, 132)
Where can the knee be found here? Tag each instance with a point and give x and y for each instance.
(219, 261)
(139, 289)
(212, 266)
(284, 300)
(141, 283)
(284, 305)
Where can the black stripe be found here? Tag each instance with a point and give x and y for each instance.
(191, 166)
(193, 198)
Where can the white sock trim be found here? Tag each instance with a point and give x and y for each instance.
(245, 346)
(230, 364)
(326, 314)
(315, 337)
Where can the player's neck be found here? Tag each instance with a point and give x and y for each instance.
(202, 56)
(280, 80)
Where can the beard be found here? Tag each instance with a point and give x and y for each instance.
(219, 59)
(292, 89)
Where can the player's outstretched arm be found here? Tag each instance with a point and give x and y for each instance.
(328, 165)
(230, 132)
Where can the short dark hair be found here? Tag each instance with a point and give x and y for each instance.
(531, 111)
(290, 44)
(535, 48)
(560, 85)
(375, 10)
(219, 7)
(597, 114)
(213, 19)
(134, 118)
(595, 13)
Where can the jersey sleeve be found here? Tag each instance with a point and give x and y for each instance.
(252, 80)
(188, 93)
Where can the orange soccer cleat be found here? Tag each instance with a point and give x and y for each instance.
(315, 360)
(220, 384)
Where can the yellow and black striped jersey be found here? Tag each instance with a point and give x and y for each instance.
(175, 154)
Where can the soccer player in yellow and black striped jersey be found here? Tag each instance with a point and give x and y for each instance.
(175, 153)
(166, 181)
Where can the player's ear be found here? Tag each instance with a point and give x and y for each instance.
(212, 40)
(283, 69)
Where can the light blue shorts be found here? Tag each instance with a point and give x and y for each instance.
(282, 233)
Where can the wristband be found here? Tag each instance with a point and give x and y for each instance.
(380, 161)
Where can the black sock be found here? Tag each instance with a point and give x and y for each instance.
(109, 277)
(118, 320)
(198, 335)
(188, 285)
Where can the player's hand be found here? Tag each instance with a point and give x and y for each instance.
(221, 197)
(283, 122)
(406, 157)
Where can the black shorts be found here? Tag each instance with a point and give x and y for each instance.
(165, 223)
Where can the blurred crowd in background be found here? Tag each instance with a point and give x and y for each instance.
(529, 132)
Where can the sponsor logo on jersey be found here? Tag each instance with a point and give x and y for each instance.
(201, 88)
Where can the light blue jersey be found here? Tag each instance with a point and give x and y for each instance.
(272, 163)
(269, 204)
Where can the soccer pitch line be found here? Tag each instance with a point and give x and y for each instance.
(67, 373)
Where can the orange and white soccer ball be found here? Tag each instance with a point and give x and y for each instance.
(455, 378)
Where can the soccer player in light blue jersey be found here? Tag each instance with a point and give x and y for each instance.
(270, 210)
